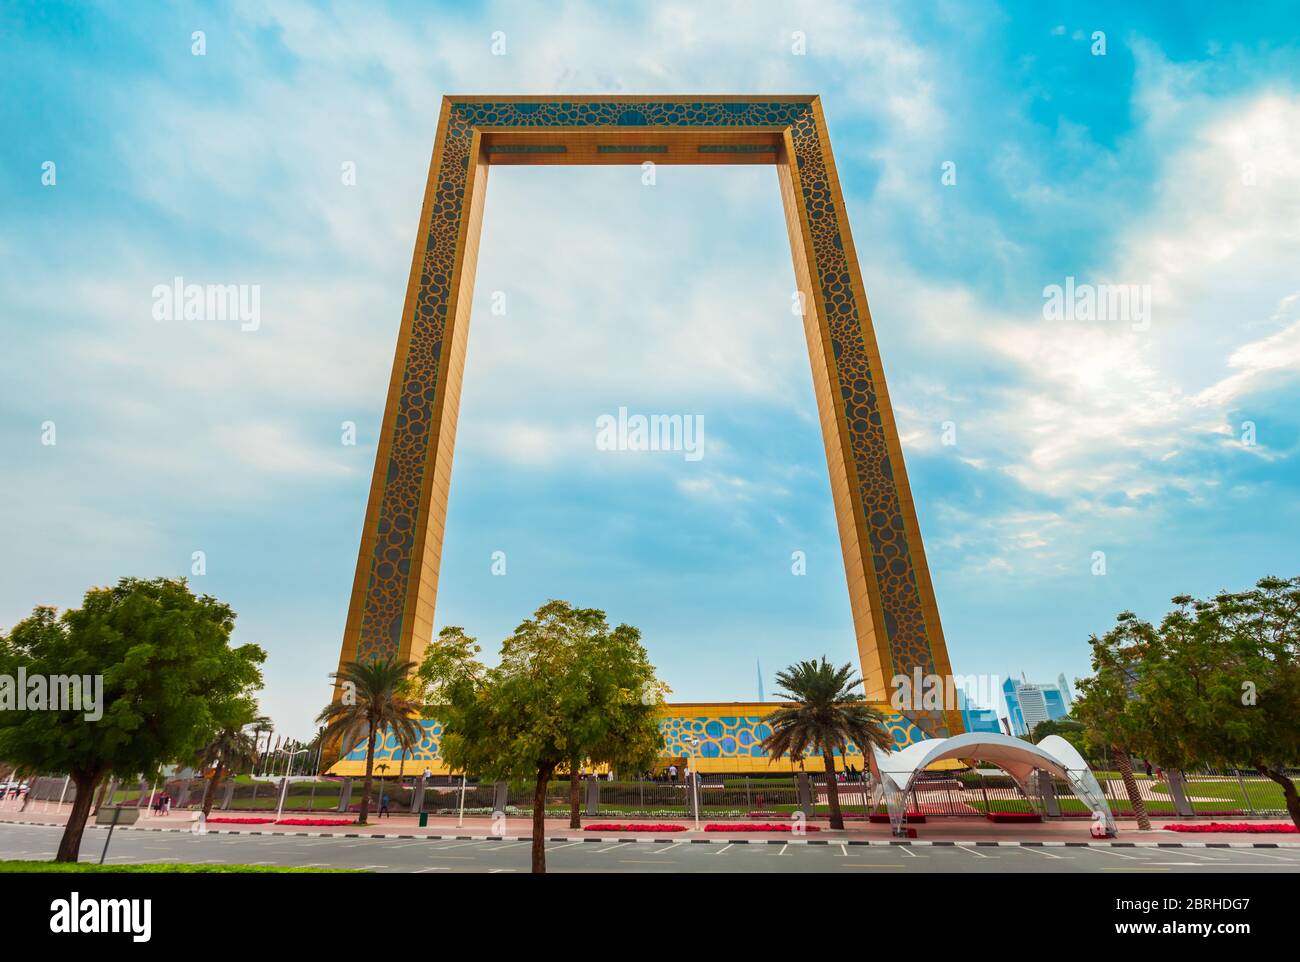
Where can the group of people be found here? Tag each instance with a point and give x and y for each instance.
(669, 774)
(162, 804)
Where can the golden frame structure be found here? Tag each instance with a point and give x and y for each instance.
(895, 617)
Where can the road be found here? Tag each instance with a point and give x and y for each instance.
(427, 855)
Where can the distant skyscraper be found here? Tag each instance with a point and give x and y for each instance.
(1028, 704)
(759, 664)
(1062, 684)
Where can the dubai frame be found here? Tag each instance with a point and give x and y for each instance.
(895, 617)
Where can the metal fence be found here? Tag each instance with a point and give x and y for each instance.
(966, 792)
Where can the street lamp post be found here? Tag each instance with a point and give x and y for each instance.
(460, 819)
(381, 768)
(284, 791)
(694, 742)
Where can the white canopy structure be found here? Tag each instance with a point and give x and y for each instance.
(895, 772)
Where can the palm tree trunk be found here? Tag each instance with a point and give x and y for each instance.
(370, 773)
(1288, 790)
(832, 789)
(539, 819)
(70, 843)
(210, 793)
(575, 802)
(1125, 765)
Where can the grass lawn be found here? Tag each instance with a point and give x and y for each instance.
(1262, 795)
(8, 865)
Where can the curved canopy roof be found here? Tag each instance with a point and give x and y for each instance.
(1015, 756)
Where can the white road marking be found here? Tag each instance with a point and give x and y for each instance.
(971, 851)
(898, 865)
(1130, 868)
(1107, 851)
(1206, 858)
(1039, 851)
(1251, 851)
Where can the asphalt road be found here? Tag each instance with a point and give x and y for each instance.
(425, 855)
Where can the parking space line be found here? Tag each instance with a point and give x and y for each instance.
(1106, 851)
(1039, 851)
(971, 851)
(1257, 854)
(1205, 858)
(1129, 868)
(664, 849)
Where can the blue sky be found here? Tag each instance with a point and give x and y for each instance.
(1169, 161)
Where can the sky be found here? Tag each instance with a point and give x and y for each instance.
(1065, 468)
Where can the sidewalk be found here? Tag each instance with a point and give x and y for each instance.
(950, 830)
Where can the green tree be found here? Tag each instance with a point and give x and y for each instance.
(826, 715)
(452, 657)
(1074, 732)
(568, 686)
(233, 746)
(1106, 702)
(374, 695)
(1219, 683)
(166, 664)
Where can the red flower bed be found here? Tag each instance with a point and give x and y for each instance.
(757, 827)
(226, 820)
(634, 827)
(1261, 828)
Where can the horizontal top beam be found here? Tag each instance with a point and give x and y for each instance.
(631, 145)
(629, 98)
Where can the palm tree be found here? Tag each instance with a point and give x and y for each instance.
(826, 715)
(376, 697)
(231, 748)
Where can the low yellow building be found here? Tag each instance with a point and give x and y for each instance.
(729, 735)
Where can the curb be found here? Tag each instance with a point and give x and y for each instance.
(624, 839)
